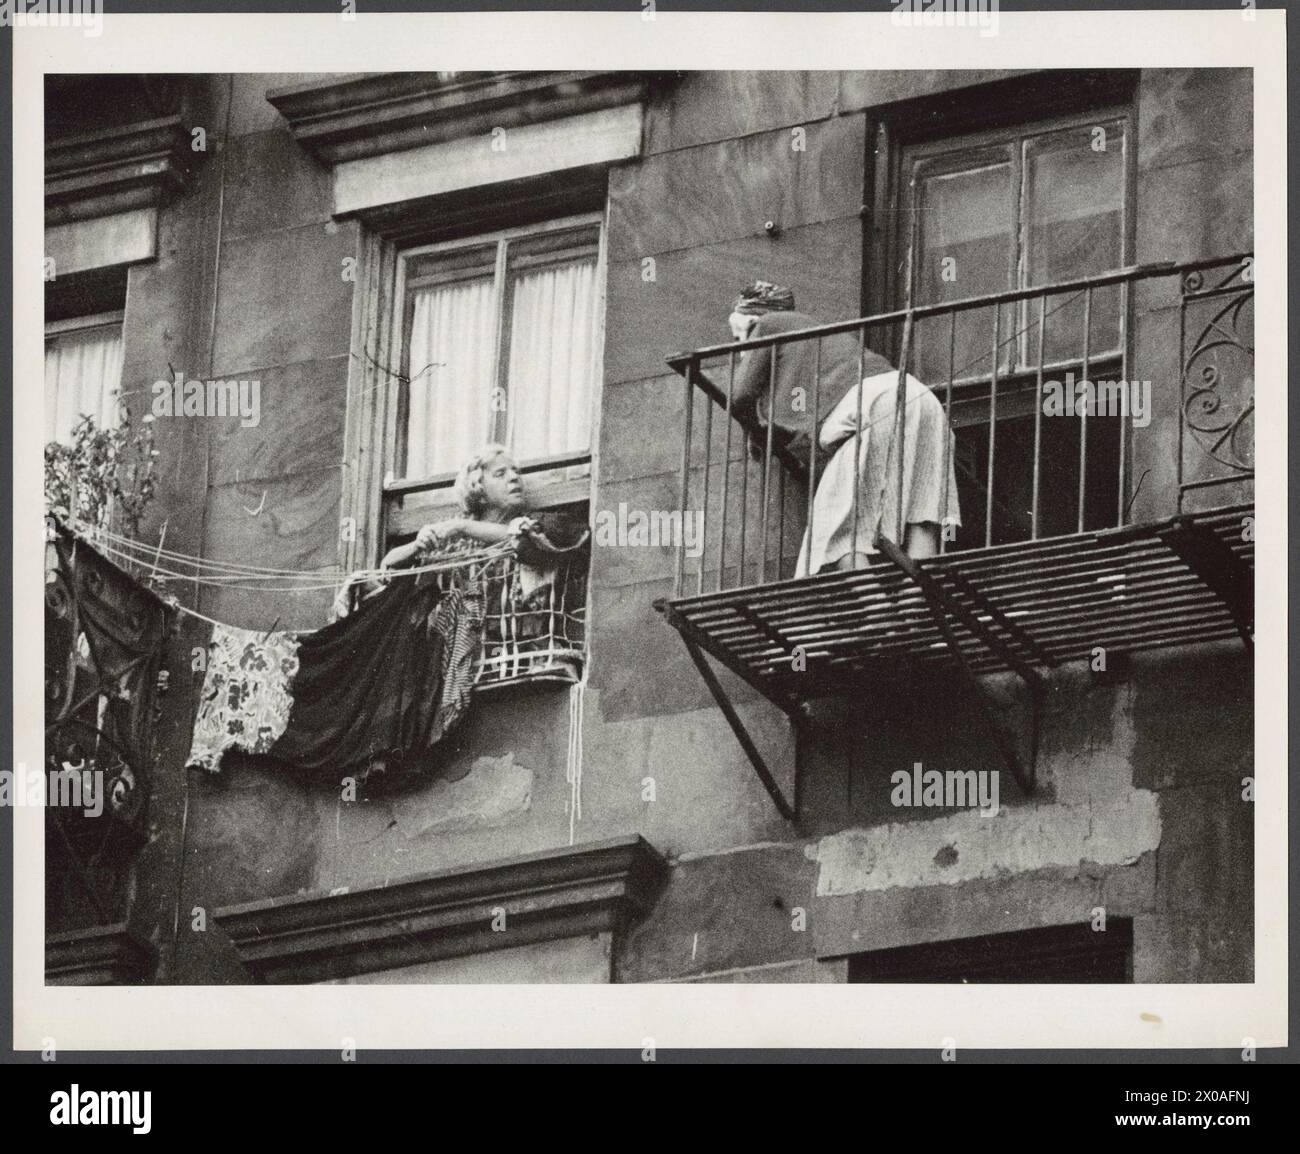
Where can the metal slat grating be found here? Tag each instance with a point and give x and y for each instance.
(1051, 600)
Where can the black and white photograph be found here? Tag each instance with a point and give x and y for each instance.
(701, 526)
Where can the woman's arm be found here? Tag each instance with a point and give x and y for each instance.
(401, 557)
(404, 556)
(426, 541)
(753, 376)
(489, 532)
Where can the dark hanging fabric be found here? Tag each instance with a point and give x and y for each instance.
(375, 685)
(102, 621)
(375, 691)
(559, 533)
(104, 637)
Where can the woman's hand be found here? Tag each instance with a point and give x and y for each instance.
(432, 536)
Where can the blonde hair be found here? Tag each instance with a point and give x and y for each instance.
(469, 481)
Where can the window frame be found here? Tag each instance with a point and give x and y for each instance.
(85, 324)
(564, 486)
(944, 154)
(943, 132)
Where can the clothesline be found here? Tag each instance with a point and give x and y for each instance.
(139, 553)
(232, 569)
(102, 540)
(310, 582)
(96, 535)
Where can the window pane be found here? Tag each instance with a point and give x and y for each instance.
(552, 353)
(83, 369)
(966, 232)
(1058, 498)
(1074, 220)
(453, 336)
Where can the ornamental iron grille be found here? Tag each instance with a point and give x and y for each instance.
(1217, 353)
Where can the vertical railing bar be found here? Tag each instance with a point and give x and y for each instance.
(1083, 413)
(900, 426)
(680, 563)
(948, 438)
(812, 448)
(704, 506)
(744, 509)
(1182, 380)
(857, 447)
(1038, 421)
(726, 478)
(1126, 423)
(767, 465)
(993, 426)
(780, 521)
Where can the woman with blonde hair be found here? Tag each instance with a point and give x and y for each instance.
(490, 492)
(493, 507)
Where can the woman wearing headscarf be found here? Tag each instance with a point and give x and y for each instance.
(846, 464)
(766, 309)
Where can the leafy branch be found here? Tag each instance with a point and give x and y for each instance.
(102, 473)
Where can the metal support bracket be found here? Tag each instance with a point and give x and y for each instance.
(796, 712)
(789, 808)
(943, 608)
(1207, 555)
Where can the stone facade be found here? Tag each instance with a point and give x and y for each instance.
(1139, 808)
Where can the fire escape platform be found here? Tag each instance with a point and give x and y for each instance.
(1024, 607)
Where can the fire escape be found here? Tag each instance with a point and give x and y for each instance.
(1024, 588)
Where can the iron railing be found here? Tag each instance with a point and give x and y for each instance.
(755, 497)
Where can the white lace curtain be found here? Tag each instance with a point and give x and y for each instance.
(83, 369)
(547, 381)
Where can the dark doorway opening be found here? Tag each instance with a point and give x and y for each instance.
(1073, 954)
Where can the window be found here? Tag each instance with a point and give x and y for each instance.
(501, 340)
(1017, 208)
(1074, 953)
(83, 371)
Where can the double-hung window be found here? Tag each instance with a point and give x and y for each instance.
(1017, 208)
(501, 338)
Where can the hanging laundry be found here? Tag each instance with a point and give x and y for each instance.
(374, 691)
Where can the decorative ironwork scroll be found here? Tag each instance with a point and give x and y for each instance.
(1217, 356)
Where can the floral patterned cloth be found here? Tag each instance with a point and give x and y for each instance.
(247, 694)
(378, 689)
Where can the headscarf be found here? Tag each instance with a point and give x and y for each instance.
(764, 297)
